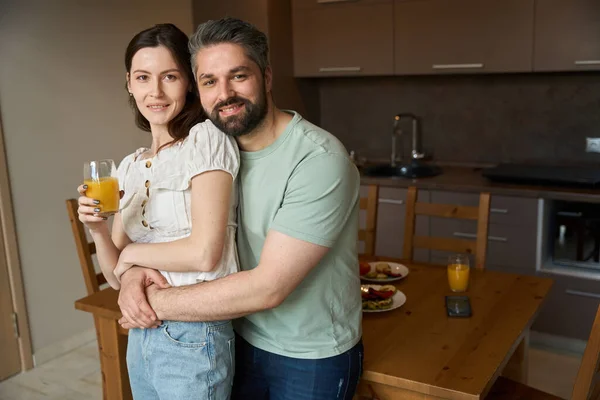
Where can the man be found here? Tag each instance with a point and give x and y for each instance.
(297, 296)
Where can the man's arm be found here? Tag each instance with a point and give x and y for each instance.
(309, 221)
(284, 263)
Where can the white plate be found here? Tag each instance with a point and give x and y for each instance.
(398, 299)
(396, 269)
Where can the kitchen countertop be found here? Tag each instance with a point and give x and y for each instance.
(468, 179)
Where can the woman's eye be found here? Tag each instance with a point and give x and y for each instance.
(142, 78)
(170, 77)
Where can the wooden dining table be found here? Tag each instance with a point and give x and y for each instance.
(418, 352)
(413, 352)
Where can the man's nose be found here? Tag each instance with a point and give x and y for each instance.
(225, 91)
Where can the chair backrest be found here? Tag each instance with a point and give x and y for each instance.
(478, 247)
(368, 234)
(587, 383)
(84, 250)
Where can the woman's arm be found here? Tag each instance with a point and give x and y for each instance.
(202, 250)
(108, 249)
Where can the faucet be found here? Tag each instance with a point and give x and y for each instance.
(415, 152)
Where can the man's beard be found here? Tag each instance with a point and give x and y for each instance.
(244, 122)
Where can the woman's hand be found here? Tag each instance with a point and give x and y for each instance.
(88, 210)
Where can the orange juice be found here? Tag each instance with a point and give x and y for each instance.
(106, 190)
(458, 277)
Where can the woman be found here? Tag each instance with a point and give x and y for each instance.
(177, 216)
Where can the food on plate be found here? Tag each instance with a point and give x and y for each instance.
(365, 267)
(383, 268)
(381, 271)
(377, 299)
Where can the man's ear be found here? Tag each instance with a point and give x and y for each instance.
(268, 78)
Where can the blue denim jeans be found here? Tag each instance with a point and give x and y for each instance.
(182, 361)
(261, 375)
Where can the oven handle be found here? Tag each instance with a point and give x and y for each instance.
(570, 214)
(583, 294)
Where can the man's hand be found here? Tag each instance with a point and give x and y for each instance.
(137, 313)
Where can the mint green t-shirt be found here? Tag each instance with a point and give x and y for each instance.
(305, 186)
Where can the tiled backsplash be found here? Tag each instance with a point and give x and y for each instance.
(541, 118)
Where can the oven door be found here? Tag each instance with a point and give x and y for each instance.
(577, 238)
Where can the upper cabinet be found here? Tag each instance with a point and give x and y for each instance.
(567, 35)
(342, 37)
(468, 36)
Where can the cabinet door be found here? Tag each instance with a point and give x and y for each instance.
(391, 217)
(342, 38)
(567, 35)
(570, 307)
(463, 36)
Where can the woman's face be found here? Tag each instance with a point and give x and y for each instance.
(158, 85)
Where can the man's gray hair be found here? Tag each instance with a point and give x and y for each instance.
(234, 31)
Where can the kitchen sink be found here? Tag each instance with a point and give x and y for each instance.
(413, 170)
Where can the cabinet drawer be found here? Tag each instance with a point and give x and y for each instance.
(334, 4)
(570, 308)
(337, 39)
(509, 245)
(506, 210)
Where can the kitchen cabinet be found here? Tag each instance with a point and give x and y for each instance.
(342, 38)
(570, 308)
(567, 35)
(463, 36)
(391, 216)
(512, 234)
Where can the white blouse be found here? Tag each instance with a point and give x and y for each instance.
(156, 206)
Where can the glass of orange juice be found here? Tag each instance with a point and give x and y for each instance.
(458, 272)
(102, 185)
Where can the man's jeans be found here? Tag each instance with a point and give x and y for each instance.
(261, 375)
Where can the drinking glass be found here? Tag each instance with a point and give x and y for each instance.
(102, 184)
(458, 272)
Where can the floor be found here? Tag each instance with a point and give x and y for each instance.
(76, 376)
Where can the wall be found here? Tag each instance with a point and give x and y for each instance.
(63, 102)
(541, 118)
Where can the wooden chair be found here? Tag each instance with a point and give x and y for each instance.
(587, 383)
(85, 250)
(93, 282)
(480, 214)
(368, 235)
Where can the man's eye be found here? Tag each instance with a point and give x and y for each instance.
(239, 77)
(208, 83)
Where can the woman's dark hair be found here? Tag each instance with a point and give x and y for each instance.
(171, 37)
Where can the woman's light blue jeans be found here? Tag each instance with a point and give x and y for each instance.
(182, 360)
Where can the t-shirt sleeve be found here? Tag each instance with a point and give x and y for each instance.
(320, 197)
(123, 169)
(211, 150)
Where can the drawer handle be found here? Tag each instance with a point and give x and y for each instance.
(587, 62)
(499, 210)
(334, 1)
(339, 69)
(583, 294)
(391, 201)
(570, 214)
(474, 236)
(457, 66)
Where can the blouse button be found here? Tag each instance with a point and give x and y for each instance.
(144, 223)
(147, 184)
(148, 164)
